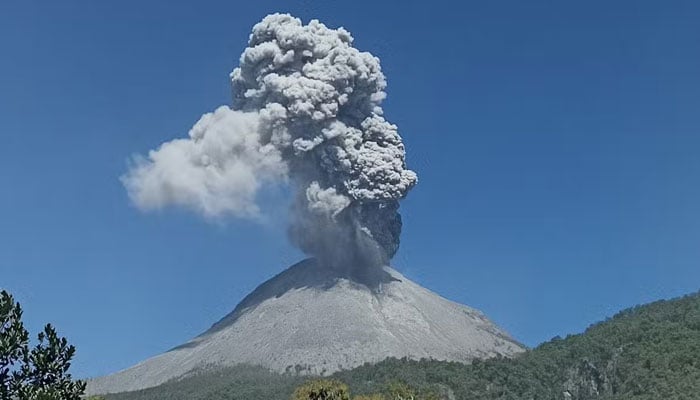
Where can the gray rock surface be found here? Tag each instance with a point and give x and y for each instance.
(313, 320)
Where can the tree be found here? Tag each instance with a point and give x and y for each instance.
(322, 390)
(401, 391)
(39, 373)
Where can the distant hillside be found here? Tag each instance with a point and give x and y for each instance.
(646, 352)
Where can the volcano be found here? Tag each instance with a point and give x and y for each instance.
(311, 319)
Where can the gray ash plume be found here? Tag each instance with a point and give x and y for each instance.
(306, 112)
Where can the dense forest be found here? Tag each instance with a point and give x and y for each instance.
(646, 352)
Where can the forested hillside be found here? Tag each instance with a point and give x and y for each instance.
(646, 352)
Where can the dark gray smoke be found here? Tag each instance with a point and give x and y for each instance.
(306, 110)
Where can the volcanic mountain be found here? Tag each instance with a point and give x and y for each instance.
(311, 319)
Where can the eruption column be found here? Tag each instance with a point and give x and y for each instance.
(306, 111)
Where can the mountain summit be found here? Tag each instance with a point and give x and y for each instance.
(311, 319)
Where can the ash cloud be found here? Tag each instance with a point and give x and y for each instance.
(306, 112)
(216, 171)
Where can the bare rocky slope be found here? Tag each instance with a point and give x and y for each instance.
(314, 320)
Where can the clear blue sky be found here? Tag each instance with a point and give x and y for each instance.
(556, 143)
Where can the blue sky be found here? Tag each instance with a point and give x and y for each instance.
(556, 144)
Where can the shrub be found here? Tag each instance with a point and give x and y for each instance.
(323, 389)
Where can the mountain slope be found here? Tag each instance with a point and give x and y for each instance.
(647, 352)
(314, 320)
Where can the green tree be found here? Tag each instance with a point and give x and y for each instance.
(322, 389)
(401, 391)
(375, 396)
(39, 373)
(397, 390)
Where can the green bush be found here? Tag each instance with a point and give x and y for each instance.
(322, 389)
(374, 396)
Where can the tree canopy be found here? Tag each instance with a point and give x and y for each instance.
(33, 373)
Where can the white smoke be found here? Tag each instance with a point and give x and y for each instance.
(217, 171)
(306, 107)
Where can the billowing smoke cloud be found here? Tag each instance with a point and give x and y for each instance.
(217, 171)
(306, 111)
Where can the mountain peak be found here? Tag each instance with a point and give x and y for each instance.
(311, 319)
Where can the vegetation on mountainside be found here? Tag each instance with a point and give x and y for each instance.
(240, 382)
(322, 389)
(325, 389)
(644, 353)
(39, 373)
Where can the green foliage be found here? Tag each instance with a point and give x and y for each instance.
(397, 390)
(13, 343)
(375, 396)
(645, 353)
(242, 382)
(322, 389)
(39, 373)
(336, 390)
(401, 391)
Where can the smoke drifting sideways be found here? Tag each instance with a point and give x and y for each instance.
(306, 112)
